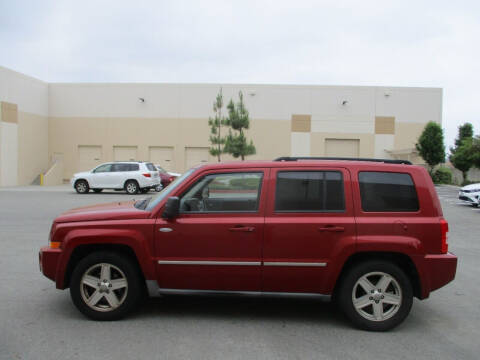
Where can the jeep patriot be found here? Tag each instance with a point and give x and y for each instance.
(370, 234)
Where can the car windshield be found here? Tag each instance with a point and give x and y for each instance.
(159, 168)
(168, 190)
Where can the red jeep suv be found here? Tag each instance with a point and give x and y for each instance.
(368, 233)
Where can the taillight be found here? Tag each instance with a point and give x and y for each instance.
(147, 175)
(444, 230)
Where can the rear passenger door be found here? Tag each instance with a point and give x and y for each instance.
(309, 225)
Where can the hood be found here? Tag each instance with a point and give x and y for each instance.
(110, 211)
(471, 186)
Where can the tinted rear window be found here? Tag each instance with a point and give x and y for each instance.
(309, 191)
(151, 167)
(387, 192)
(120, 167)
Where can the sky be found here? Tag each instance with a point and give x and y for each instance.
(385, 43)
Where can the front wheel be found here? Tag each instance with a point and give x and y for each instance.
(105, 286)
(81, 187)
(376, 295)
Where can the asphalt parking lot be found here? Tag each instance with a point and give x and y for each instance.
(40, 322)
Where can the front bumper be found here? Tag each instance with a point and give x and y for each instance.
(436, 271)
(471, 197)
(48, 259)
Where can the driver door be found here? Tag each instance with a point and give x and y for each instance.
(101, 176)
(216, 241)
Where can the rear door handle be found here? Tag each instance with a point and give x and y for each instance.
(242, 229)
(332, 228)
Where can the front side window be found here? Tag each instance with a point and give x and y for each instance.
(309, 191)
(387, 192)
(233, 192)
(103, 168)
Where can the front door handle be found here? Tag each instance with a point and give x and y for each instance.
(332, 228)
(242, 229)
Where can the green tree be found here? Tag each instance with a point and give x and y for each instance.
(465, 131)
(238, 120)
(216, 123)
(461, 156)
(476, 151)
(430, 145)
(462, 159)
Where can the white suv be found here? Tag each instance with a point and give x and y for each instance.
(470, 194)
(133, 177)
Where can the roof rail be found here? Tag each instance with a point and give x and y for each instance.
(296, 158)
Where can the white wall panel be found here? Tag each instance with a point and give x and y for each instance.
(328, 100)
(31, 95)
(300, 144)
(8, 154)
(383, 142)
(415, 105)
(359, 124)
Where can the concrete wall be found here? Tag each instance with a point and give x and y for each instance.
(285, 119)
(24, 140)
(70, 121)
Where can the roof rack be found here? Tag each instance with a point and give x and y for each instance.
(296, 158)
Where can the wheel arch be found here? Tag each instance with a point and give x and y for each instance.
(81, 179)
(131, 179)
(81, 251)
(402, 260)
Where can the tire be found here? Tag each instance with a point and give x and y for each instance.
(383, 295)
(81, 186)
(97, 190)
(131, 187)
(107, 304)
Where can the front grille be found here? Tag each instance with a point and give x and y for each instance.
(464, 198)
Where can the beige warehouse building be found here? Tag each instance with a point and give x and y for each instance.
(58, 129)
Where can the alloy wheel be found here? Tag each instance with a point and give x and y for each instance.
(377, 296)
(103, 287)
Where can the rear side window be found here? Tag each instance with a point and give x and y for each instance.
(121, 167)
(133, 167)
(387, 192)
(309, 191)
(151, 167)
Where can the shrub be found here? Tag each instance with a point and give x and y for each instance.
(442, 175)
(246, 183)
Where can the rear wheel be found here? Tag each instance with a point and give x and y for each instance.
(81, 186)
(105, 286)
(376, 295)
(131, 187)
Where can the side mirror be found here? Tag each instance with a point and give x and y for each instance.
(172, 208)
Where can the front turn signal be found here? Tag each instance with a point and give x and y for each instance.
(55, 244)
